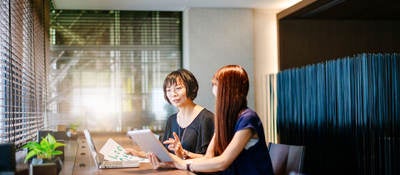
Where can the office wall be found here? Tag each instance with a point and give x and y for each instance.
(215, 37)
(265, 62)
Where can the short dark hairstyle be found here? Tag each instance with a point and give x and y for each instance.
(188, 80)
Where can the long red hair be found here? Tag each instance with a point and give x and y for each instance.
(232, 87)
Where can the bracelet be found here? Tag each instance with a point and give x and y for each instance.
(189, 166)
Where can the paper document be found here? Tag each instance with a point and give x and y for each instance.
(112, 151)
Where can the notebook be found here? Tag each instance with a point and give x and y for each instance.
(148, 142)
(126, 161)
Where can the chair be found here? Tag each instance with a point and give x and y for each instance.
(286, 159)
(7, 158)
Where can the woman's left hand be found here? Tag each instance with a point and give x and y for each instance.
(176, 162)
(156, 162)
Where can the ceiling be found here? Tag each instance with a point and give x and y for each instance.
(343, 9)
(169, 5)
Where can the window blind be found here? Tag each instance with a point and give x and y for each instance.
(22, 79)
(5, 118)
(108, 67)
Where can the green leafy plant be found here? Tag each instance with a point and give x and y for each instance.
(74, 126)
(46, 149)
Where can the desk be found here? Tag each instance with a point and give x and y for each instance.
(78, 161)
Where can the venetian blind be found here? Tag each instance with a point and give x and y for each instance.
(22, 67)
(108, 67)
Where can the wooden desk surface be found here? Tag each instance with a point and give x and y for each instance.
(78, 160)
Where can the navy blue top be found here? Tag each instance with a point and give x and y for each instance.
(254, 158)
(197, 136)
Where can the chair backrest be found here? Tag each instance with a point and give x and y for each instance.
(7, 157)
(286, 158)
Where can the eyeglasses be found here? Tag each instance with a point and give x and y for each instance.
(174, 89)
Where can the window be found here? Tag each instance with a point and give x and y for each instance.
(108, 67)
(22, 68)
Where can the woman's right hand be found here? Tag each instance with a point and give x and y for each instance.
(135, 152)
(174, 144)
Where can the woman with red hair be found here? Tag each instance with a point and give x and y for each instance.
(238, 145)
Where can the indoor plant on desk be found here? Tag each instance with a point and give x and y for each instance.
(72, 130)
(44, 152)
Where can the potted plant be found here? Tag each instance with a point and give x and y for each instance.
(44, 152)
(72, 130)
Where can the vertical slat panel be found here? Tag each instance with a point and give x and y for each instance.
(345, 111)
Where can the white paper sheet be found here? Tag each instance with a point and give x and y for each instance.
(112, 151)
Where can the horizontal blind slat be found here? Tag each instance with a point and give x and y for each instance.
(19, 108)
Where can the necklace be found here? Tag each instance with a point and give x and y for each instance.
(185, 121)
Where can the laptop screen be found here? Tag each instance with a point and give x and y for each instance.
(92, 147)
(99, 158)
(89, 140)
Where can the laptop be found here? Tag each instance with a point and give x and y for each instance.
(99, 158)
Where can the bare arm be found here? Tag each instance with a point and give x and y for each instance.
(210, 148)
(221, 162)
